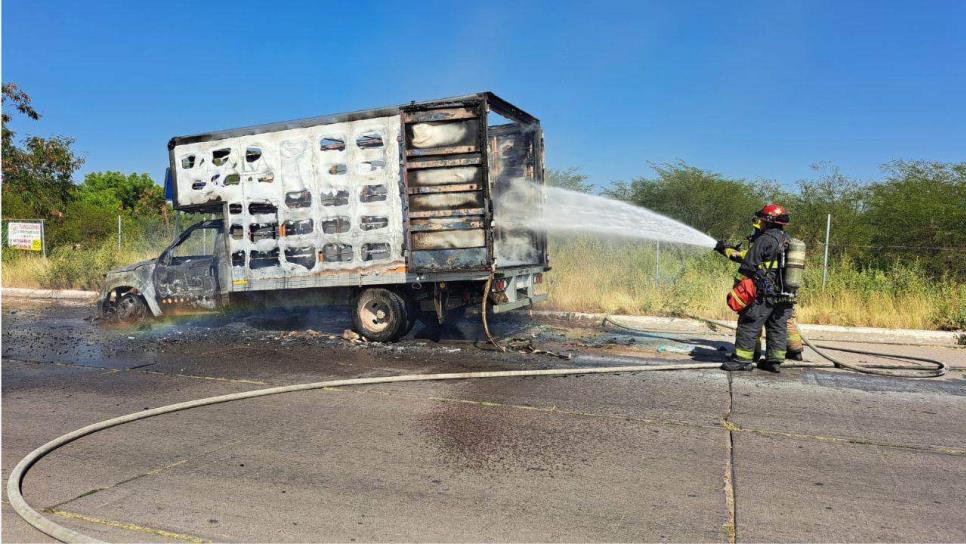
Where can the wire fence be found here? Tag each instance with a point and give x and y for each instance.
(78, 260)
(133, 238)
(670, 264)
(127, 235)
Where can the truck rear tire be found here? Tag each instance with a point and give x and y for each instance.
(380, 315)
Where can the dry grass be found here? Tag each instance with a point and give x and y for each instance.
(593, 275)
(69, 268)
(24, 271)
(906, 311)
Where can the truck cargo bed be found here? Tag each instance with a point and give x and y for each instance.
(418, 192)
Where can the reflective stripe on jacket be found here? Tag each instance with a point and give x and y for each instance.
(764, 253)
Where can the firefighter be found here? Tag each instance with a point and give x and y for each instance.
(735, 253)
(770, 307)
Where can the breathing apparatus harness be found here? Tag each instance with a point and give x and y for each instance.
(776, 280)
(784, 284)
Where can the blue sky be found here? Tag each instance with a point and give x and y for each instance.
(749, 89)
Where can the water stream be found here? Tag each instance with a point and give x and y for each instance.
(568, 211)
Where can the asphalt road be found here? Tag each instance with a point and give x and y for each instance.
(807, 455)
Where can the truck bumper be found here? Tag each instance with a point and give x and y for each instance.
(517, 289)
(519, 303)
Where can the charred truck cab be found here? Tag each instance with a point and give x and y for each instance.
(404, 213)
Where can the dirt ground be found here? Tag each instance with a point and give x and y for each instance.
(806, 455)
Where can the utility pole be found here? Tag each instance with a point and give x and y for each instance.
(828, 232)
(119, 233)
(657, 263)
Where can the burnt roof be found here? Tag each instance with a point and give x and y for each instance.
(493, 101)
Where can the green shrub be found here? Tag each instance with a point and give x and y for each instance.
(79, 268)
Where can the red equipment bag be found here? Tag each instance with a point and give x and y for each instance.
(741, 295)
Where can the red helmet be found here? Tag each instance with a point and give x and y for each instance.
(773, 213)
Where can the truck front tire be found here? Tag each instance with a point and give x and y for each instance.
(380, 315)
(125, 307)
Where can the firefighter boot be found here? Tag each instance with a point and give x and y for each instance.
(736, 364)
(769, 366)
(794, 356)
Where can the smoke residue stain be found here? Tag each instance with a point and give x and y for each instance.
(469, 436)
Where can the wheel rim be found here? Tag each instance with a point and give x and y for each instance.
(375, 315)
(128, 308)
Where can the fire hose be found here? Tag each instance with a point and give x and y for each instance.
(59, 532)
(64, 534)
(905, 371)
(483, 308)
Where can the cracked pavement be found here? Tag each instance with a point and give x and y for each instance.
(807, 455)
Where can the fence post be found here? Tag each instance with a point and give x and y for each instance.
(119, 233)
(43, 237)
(657, 263)
(828, 232)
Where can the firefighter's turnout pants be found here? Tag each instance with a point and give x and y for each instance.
(794, 336)
(773, 315)
(794, 344)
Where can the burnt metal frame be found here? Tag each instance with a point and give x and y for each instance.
(513, 113)
(483, 103)
(473, 107)
(219, 226)
(490, 101)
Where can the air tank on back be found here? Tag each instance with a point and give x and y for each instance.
(794, 264)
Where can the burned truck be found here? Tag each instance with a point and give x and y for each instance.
(403, 213)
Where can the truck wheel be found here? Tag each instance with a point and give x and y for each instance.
(380, 315)
(130, 308)
(412, 317)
